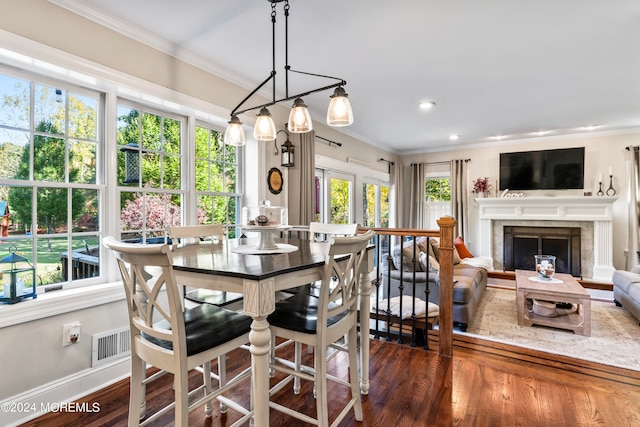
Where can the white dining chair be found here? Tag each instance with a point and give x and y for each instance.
(172, 339)
(318, 232)
(324, 325)
(195, 234)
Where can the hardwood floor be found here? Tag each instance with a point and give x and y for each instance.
(483, 384)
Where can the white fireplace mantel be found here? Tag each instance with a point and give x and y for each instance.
(598, 210)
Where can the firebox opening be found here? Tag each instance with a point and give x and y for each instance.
(522, 243)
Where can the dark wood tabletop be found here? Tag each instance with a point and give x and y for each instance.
(219, 259)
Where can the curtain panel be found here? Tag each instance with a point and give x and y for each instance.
(633, 206)
(301, 190)
(416, 195)
(459, 196)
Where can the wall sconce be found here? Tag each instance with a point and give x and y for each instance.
(286, 150)
(287, 154)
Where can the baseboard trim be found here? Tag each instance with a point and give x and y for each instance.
(36, 402)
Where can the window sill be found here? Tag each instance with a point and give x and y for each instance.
(60, 302)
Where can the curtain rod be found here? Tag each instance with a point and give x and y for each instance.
(339, 144)
(388, 162)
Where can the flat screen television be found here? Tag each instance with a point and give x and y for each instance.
(560, 169)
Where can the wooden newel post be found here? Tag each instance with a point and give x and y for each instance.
(447, 225)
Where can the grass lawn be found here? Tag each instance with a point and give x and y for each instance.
(49, 252)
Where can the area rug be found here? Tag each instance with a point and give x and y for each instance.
(614, 340)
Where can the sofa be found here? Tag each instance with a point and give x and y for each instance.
(626, 290)
(416, 272)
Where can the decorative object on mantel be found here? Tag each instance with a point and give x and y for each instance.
(611, 191)
(506, 195)
(481, 186)
(600, 192)
(339, 112)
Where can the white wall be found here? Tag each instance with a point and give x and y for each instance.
(601, 151)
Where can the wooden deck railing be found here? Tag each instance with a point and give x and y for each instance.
(84, 264)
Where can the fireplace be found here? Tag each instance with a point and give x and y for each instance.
(593, 215)
(522, 243)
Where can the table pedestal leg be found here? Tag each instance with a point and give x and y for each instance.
(260, 338)
(365, 315)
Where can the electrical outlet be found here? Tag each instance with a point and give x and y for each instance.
(70, 333)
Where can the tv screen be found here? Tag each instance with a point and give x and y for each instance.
(561, 169)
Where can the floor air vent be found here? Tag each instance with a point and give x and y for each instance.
(110, 345)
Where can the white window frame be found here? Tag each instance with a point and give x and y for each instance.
(20, 53)
(36, 79)
(436, 210)
(325, 199)
(377, 202)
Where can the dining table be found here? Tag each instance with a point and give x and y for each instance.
(238, 265)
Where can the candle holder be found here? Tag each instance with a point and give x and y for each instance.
(611, 191)
(600, 192)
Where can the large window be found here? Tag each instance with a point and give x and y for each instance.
(437, 199)
(50, 147)
(375, 204)
(217, 185)
(149, 173)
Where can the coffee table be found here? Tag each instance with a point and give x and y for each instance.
(569, 291)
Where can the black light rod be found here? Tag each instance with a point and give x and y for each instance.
(268, 104)
(271, 75)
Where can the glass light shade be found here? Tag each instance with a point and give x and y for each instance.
(234, 134)
(339, 112)
(299, 118)
(265, 128)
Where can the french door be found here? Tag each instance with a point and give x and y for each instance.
(334, 197)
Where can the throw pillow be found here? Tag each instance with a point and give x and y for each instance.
(435, 245)
(429, 263)
(407, 257)
(462, 248)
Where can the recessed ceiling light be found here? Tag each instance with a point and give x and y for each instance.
(591, 127)
(541, 132)
(454, 137)
(499, 137)
(426, 105)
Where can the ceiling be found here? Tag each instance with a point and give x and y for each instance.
(510, 68)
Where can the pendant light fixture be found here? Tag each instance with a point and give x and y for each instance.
(299, 118)
(234, 134)
(338, 114)
(264, 129)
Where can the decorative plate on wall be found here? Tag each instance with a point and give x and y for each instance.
(274, 180)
